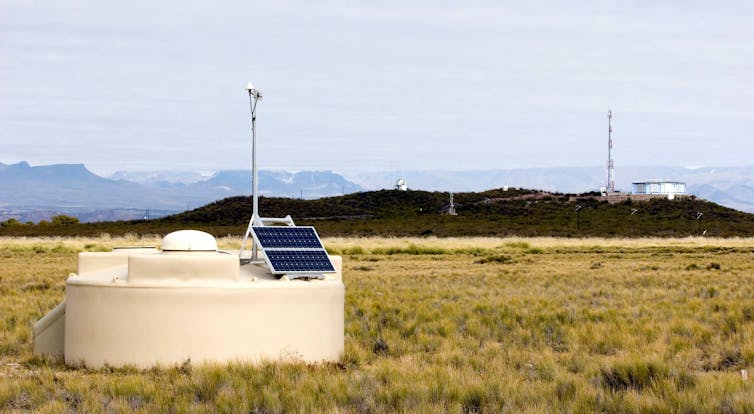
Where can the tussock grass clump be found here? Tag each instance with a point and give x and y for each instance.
(35, 286)
(410, 249)
(634, 374)
(713, 266)
(37, 249)
(728, 359)
(498, 258)
(347, 251)
(518, 245)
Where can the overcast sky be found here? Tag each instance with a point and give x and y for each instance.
(376, 85)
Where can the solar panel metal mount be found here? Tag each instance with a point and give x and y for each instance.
(256, 220)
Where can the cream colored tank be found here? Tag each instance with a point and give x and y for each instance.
(190, 302)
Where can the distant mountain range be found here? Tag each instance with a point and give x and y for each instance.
(33, 193)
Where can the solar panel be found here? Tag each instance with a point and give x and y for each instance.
(277, 237)
(293, 261)
(292, 250)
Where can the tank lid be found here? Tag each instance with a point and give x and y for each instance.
(189, 240)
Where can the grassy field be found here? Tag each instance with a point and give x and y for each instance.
(444, 325)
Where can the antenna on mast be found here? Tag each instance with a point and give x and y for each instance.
(610, 167)
(255, 95)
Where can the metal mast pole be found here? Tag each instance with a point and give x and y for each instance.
(610, 170)
(254, 96)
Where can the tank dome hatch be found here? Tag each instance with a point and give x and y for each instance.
(189, 240)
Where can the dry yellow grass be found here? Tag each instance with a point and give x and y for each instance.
(541, 242)
(436, 325)
(107, 241)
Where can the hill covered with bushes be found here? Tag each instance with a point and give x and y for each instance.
(420, 213)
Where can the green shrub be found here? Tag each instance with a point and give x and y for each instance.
(10, 222)
(62, 219)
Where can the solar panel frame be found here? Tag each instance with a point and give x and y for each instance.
(299, 261)
(287, 237)
(292, 250)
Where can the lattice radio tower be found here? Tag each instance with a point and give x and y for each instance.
(610, 166)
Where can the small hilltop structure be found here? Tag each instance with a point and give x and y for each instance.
(641, 190)
(663, 188)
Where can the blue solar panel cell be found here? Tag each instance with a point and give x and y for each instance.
(299, 261)
(281, 237)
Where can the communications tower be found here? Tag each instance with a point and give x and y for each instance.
(610, 188)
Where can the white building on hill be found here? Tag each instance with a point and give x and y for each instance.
(659, 187)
